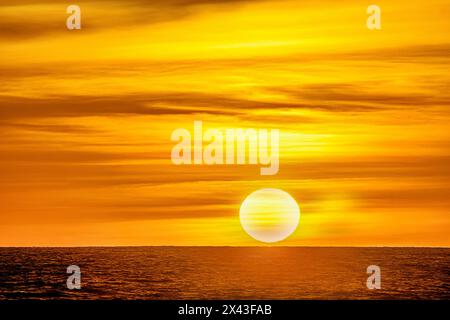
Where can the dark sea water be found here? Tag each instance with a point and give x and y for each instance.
(224, 273)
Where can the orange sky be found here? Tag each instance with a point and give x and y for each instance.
(86, 118)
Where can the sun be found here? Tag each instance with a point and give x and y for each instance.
(269, 215)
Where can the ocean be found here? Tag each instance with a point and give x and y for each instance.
(224, 273)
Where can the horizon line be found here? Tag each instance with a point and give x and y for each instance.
(225, 246)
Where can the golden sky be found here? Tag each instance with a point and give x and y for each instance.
(86, 118)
